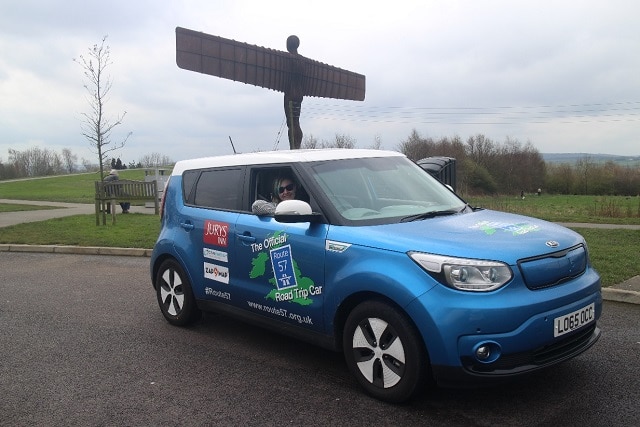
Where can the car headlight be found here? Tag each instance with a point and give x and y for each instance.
(464, 274)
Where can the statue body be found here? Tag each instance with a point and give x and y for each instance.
(287, 72)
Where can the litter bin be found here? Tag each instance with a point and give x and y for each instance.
(161, 176)
(441, 168)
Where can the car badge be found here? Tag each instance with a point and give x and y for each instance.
(333, 246)
(552, 243)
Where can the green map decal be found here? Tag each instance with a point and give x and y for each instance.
(491, 227)
(259, 265)
(299, 294)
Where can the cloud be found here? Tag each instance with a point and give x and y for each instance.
(563, 75)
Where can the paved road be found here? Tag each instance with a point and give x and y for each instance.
(83, 343)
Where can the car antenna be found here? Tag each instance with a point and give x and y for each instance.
(232, 146)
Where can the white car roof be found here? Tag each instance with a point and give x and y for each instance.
(275, 157)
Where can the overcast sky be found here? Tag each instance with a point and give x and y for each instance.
(564, 75)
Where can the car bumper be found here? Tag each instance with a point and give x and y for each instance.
(520, 337)
(516, 364)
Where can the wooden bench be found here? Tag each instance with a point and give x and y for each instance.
(123, 190)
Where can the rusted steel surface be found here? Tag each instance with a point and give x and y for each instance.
(264, 67)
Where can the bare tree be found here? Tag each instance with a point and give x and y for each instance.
(88, 166)
(481, 149)
(35, 162)
(341, 141)
(309, 142)
(416, 147)
(69, 160)
(584, 166)
(155, 159)
(377, 143)
(96, 126)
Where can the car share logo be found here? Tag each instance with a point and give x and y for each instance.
(215, 255)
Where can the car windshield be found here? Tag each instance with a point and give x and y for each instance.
(384, 189)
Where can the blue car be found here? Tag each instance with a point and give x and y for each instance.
(363, 252)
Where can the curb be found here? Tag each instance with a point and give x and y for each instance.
(608, 294)
(79, 250)
(621, 295)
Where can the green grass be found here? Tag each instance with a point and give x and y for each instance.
(130, 231)
(76, 188)
(614, 253)
(558, 208)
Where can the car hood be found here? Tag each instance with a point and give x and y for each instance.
(483, 234)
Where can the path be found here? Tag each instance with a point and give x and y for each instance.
(64, 209)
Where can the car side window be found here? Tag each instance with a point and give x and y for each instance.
(220, 189)
(264, 179)
(189, 179)
(264, 183)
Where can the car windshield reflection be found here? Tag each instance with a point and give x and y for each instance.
(383, 188)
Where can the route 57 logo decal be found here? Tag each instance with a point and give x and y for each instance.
(282, 265)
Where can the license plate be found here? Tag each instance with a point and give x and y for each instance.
(575, 320)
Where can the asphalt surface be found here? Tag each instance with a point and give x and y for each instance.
(83, 343)
(628, 291)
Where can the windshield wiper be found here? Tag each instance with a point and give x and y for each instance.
(432, 214)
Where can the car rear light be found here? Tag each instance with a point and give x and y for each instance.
(164, 196)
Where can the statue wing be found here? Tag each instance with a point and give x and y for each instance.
(326, 81)
(264, 67)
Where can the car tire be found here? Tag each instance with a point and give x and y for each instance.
(384, 352)
(175, 296)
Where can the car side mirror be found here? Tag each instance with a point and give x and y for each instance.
(292, 211)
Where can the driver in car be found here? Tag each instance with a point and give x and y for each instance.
(284, 188)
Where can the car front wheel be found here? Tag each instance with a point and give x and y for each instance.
(175, 297)
(384, 351)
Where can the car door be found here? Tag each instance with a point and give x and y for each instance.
(207, 222)
(279, 269)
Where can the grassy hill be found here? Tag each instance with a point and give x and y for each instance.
(75, 188)
(572, 158)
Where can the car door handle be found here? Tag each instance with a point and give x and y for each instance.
(187, 226)
(246, 237)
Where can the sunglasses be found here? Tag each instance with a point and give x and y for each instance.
(289, 187)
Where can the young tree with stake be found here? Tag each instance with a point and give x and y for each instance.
(96, 126)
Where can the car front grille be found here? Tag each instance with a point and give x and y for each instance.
(553, 269)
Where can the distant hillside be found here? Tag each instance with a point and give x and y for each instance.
(572, 158)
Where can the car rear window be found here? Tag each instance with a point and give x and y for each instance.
(220, 188)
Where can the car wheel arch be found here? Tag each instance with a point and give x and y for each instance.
(353, 300)
(161, 259)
